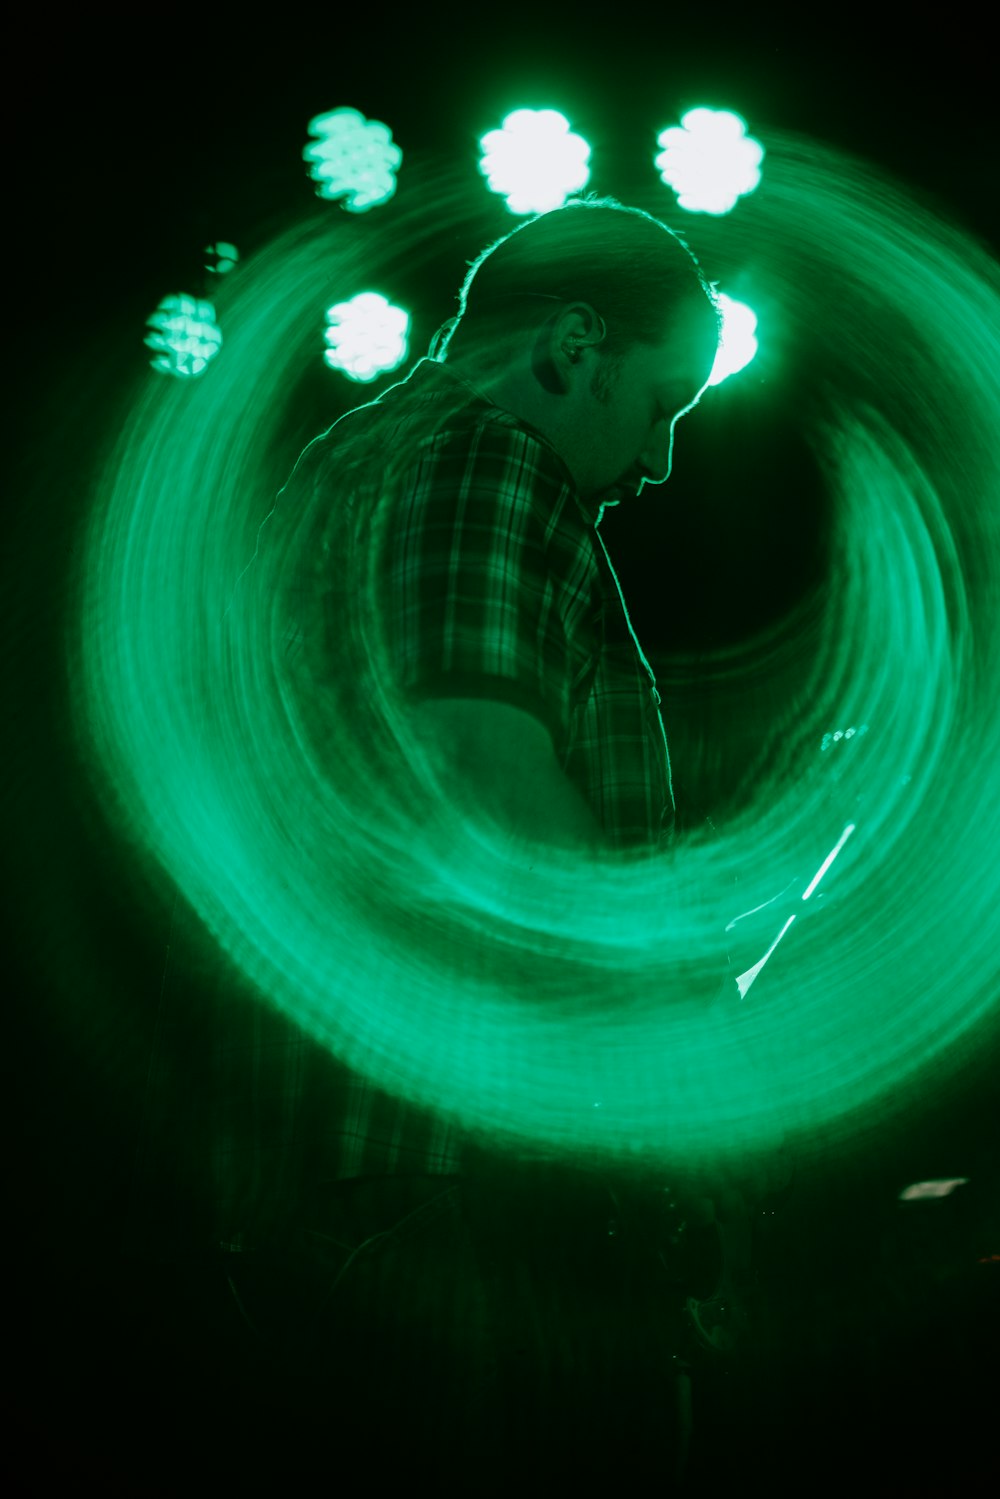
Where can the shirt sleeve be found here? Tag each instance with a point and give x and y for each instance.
(482, 574)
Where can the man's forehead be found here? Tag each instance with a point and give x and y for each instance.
(681, 375)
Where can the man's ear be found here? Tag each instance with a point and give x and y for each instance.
(546, 362)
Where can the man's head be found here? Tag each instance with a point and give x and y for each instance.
(594, 324)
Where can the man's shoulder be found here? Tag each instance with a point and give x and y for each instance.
(453, 438)
(489, 434)
(439, 411)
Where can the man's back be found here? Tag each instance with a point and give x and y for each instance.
(509, 649)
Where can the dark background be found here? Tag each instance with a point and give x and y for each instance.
(132, 145)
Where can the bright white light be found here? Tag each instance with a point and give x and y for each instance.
(353, 158)
(738, 342)
(534, 160)
(367, 336)
(821, 871)
(709, 160)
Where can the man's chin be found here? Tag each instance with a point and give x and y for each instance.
(635, 480)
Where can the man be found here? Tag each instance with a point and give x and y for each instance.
(612, 425)
(392, 1277)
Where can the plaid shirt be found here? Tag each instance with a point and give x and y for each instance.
(496, 584)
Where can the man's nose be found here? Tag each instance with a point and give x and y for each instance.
(657, 461)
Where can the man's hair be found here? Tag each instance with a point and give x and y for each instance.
(638, 274)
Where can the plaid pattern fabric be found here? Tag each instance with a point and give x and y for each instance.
(499, 586)
(496, 584)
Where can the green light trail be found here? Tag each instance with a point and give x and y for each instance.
(746, 979)
(263, 769)
(821, 871)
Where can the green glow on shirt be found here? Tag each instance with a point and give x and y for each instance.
(330, 869)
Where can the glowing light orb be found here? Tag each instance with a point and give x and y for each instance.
(534, 160)
(222, 257)
(737, 342)
(330, 873)
(367, 336)
(184, 335)
(709, 160)
(353, 159)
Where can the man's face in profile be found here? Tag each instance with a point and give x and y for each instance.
(611, 420)
(626, 412)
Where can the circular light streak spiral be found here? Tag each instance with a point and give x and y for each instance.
(564, 1010)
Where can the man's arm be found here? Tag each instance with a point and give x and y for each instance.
(504, 764)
